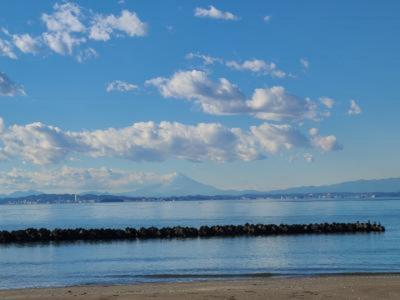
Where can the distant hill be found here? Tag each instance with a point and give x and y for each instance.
(18, 194)
(389, 185)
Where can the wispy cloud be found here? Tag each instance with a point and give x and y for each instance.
(6, 49)
(305, 64)
(257, 66)
(9, 88)
(26, 43)
(120, 86)
(267, 18)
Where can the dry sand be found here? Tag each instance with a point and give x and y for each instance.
(374, 287)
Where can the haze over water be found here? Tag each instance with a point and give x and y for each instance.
(171, 260)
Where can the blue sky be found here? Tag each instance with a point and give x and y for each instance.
(164, 60)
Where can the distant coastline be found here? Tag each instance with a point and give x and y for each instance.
(93, 198)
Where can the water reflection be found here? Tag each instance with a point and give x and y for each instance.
(131, 261)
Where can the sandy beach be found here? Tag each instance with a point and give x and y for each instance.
(324, 287)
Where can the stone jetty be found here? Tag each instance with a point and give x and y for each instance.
(30, 235)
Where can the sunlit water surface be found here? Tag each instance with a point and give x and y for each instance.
(192, 259)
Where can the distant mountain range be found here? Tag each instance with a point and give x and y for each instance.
(388, 185)
(181, 185)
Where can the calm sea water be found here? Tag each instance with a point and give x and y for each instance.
(38, 265)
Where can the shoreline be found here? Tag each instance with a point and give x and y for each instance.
(333, 286)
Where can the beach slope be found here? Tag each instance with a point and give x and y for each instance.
(323, 287)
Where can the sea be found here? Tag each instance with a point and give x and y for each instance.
(123, 262)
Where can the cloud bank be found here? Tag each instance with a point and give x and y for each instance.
(69, 179)
(40, 144)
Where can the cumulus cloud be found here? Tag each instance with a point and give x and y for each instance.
(66, 17)
(324, 143)
(214, 13)
(6, 49)
(277, 104)
(39, 143)
(128, 22)
(9, 88)
(69, 179)
(257, 66)
(69, 27)
(26, 43)
(120, 86)
(62, 28)
(221, 97)
(354, 109)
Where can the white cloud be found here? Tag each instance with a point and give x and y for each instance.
(6, 49)
(354, 109)
(148, 141)
(120, 86)
(308, 157)
(86, 54)
(267, 18)
(70, 26)
(207, 59)
(276, 104)
(62, 42)
(64, 28)
(313, 131)
(128, 22)
(65, 18)
(218, 98)
(324, 143)
(214, 13)
(72, 180)
(26, 43)
(328, 102)
(222, 97)
(304, 63)
(257, 66)
(9, 88)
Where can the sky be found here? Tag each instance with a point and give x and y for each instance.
(114, 95)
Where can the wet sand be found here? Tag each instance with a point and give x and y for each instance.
(323, 287)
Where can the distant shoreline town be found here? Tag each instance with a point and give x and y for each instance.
(93, 198)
